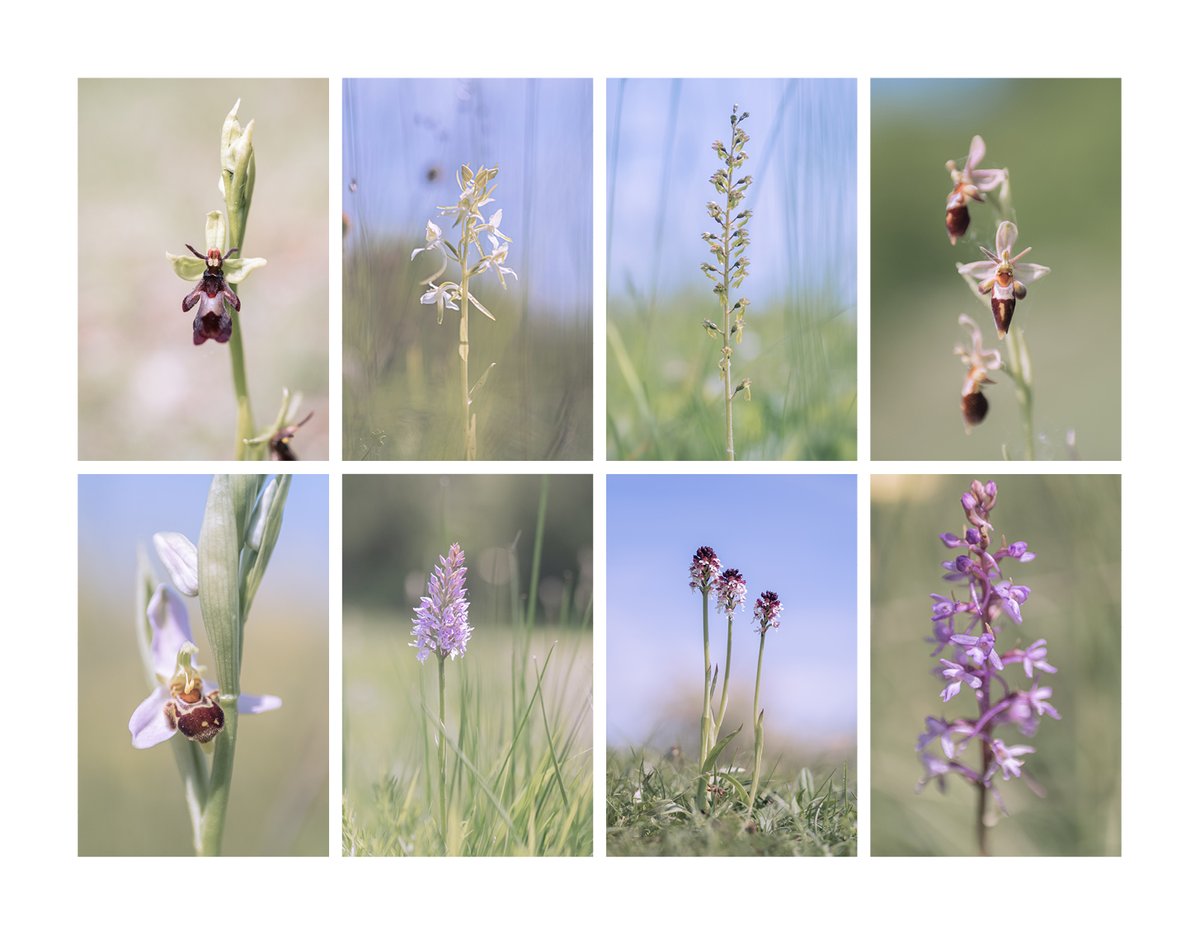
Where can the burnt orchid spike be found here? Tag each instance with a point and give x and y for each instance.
(731, 590)
(973, 660)
(705, 566)
(766, 611)
(441, 624)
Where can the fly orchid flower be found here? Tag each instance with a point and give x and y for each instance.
(182, 702)
(979, 362)
(969, 183)
(1002, 276)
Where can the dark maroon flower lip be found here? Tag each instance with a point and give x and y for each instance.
(217, 327)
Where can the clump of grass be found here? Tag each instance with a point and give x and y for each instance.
(651, 810)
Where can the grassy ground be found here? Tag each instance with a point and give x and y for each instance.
(664, 389)
(652, 811)
(519, 754)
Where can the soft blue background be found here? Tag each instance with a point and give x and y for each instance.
(803, 158)
(793, 535)
(398, 132)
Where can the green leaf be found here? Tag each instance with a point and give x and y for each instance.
(264, 533)
(718, 749)
(220, 601)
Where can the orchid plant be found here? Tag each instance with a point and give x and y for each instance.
(442, 628)
(728, 587)
(475, 191)
(999, 281)
(973, 660)
(218, 273)
(198, 717)
(729, 248)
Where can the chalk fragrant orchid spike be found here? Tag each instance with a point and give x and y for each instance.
(969, 184)
(1001, 277)
(441, 625)
(975, 661)
(182, 701)
(979, 363)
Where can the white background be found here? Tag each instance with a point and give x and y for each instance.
(47, 50)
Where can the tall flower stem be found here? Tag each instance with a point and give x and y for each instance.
(245, 417)
(464, 349)
(725, 681)
(213, 822)
(758, 720)
(442, 751)
(706, 711)
(727, 317)
(1021, 371)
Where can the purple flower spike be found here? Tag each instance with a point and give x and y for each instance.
(441, 625)
(973, 660)
(766, 611)
(705, 566)
(731, 590)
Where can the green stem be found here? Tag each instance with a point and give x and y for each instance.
(464, 350)
(442, 750)
(758, 721)
(705, 712)
(245, 418)
(213, 821)
(727, 351)
(725, 681)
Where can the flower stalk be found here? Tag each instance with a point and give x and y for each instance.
(732, 266)
(766, 617)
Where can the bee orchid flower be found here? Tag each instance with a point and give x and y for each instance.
(978, 362)
(181, 702)
(1001, 276)
(969, 183)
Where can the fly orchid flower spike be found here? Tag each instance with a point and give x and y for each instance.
(978, 362)
(1001, 277)
(216, 269)
(969, 184)
(182, 701)
(974, 660)
(441, 624)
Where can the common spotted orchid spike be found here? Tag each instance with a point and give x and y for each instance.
(441, 625)
(969, 184)
(1002, 277)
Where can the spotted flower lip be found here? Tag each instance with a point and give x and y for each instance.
(1002, 276)
(180, 689)
(969, 183)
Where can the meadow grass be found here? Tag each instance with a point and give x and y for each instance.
(401, 369)
(664, 389)
(519, 759)
(651, 810)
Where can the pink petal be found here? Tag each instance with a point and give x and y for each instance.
(976, 152)
(169, 629)
(148, 725)
(257, 704)
(980, 269)
(1006, 238)
(1029, 272)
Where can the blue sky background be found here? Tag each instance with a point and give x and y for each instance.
(400, 132)
(793, 535)
(117, 513)
(803, 157)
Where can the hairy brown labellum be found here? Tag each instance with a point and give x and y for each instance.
(974, 408)
(1002, 311)
(199, 720)
(957, 218)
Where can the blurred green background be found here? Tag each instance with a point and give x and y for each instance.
(403, 143)
(395, 527)
(799, 349)
(131, 801)
(1073, 524)
(149, 158)
(1061, 142)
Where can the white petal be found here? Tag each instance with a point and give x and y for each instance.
(1006, 238)
(975, 153)
(987, 179)
(980, 269)
(1029, 272)
(257, 704)
(178, 554)
(148, 725)
(169, 629)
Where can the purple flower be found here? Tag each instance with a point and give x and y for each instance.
(955, 675)
(441, 624)
(731, 590)
(936, 728)
(1006, 757)
(181, 701)
(1032, 658)
(979, 649)
(767, 610)
(705, 565)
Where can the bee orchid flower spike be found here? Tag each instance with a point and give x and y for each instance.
(1001, 277)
